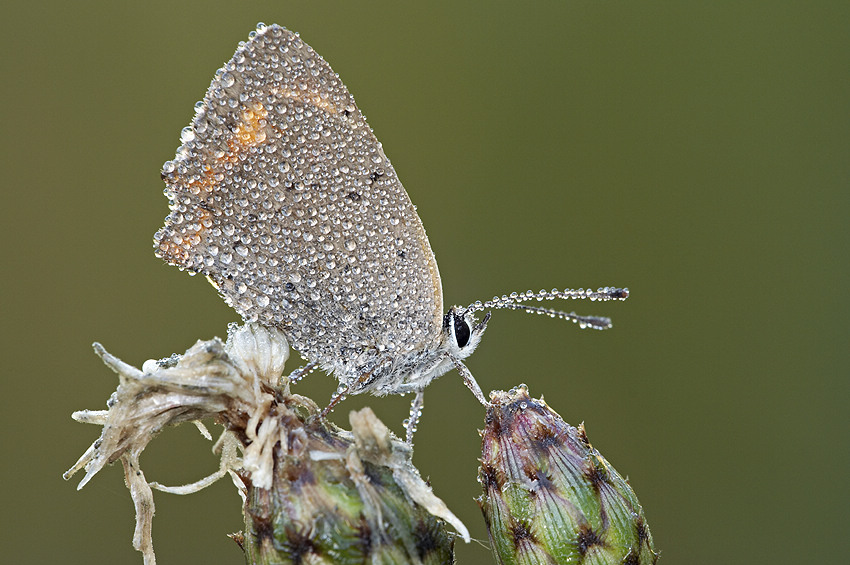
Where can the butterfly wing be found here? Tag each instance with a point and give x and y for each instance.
(282, 196)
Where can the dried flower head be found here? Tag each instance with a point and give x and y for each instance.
(309, 487)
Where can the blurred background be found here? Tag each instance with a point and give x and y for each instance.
(697, 154)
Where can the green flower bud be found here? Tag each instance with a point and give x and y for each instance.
(342, 498)
(549, 496)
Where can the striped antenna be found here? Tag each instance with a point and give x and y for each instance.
(514, 301)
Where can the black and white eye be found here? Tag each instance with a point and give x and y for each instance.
(462, 330)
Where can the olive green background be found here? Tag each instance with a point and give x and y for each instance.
(694, 152)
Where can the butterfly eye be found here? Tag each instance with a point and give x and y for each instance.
(462, 331)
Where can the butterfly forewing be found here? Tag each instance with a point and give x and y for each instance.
(282, 196)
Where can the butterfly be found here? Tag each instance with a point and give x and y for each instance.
(282, 196)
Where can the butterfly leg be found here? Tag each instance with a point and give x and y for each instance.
(340, 395)
(415, 413)
(343, 391)
(470, 381)
(299, 373)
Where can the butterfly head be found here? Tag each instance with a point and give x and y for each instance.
(462, 332)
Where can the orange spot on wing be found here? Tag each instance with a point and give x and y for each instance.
(205, 185)
(175, 248)
(252, 130)
(312, 98)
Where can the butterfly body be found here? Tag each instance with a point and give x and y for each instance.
(284, 199)
(282, 196)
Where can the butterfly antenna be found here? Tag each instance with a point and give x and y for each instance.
(514, 301)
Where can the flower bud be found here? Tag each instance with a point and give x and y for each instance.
(339, 497)
(549, 496)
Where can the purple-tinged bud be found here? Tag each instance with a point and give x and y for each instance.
(549, 496)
